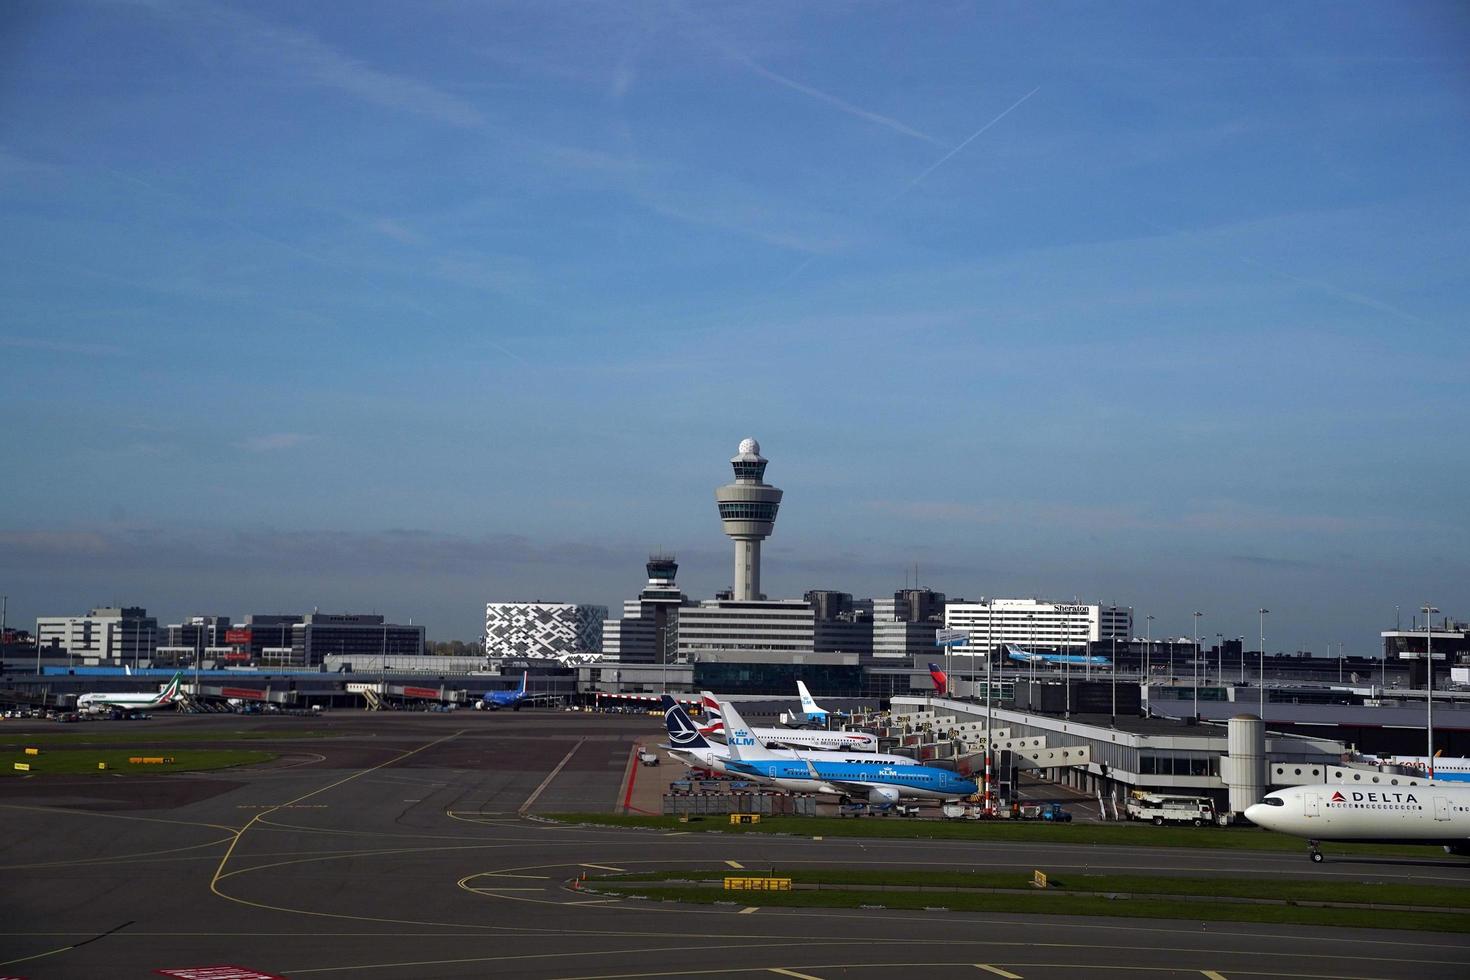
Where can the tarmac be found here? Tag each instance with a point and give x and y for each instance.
(406, 845)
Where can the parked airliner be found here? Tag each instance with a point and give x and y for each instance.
(1445, 769)
(778, 737)
(875, 782)
(495, 700)
(1427, 814)
(689, 746)
(1014, 652)
(106, 701)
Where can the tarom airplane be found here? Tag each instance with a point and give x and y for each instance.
(1426, 814)
(941, 679)
(495, 700)
(1446, 770)
(879, 783)
(689, 746)
(1014, 652)
(781, 737)
(100, 701)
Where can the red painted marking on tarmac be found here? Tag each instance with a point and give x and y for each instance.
(632, 778)
(218, 973)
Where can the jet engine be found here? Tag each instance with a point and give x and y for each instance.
(882, 795)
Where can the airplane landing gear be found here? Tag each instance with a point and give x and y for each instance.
(1315, 851)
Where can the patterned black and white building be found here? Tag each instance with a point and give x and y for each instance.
(542, 629)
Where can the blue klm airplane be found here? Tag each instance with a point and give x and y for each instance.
(1054, 659)
(882, 783)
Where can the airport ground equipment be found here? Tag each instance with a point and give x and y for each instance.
(1159, 809)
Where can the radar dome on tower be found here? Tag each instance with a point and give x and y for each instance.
(749, 447)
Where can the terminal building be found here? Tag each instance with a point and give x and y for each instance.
(107, 634)
(648, 631)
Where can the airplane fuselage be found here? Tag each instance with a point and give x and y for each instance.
(1432, 813)
(906, 781)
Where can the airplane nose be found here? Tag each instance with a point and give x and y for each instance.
(1259, 814)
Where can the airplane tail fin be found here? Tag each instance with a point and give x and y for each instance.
(714, 720)
(808, 704)
(683, 733)
(170, 690)
(941, 679)
(740, 740)
(525, 674)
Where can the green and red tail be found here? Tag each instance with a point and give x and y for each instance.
(171, 691)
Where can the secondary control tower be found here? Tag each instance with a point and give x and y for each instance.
(748, 510)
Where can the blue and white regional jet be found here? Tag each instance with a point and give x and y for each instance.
(881, 783)
(1014, 652)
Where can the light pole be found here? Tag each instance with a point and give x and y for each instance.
(1428, 611)
(1220, 658)
(1148, 645)
(989, 690)
(1196, 615)
(1262, 679)
(1113, 676)
(1031, 633)
(1241, 640)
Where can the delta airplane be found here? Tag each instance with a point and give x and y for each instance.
(940, 678)
(689, 746)
(1014, 652)
(495, 700)
(1445, 770)
(783, 737)
(1426, 814)
(100, 701)
(879, 783)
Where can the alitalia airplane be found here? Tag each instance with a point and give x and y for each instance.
(1431, 813)
(100, 701)
(795, 737)
(689, 746)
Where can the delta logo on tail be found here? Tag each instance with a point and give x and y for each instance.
(941, 679)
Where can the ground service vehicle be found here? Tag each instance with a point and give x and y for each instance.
(1160, 809)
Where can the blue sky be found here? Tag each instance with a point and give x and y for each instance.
(407, 307)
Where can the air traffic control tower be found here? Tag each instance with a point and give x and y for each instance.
(748, 510)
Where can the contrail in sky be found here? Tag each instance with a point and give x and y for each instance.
(919, 179)
(972, 137)
(833, 100)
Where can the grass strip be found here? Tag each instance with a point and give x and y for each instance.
(1061, 904)
(72, 762)
(1108, 835)
(121, 733)
(1353, 892)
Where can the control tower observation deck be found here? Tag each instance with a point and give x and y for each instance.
(748, 511)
